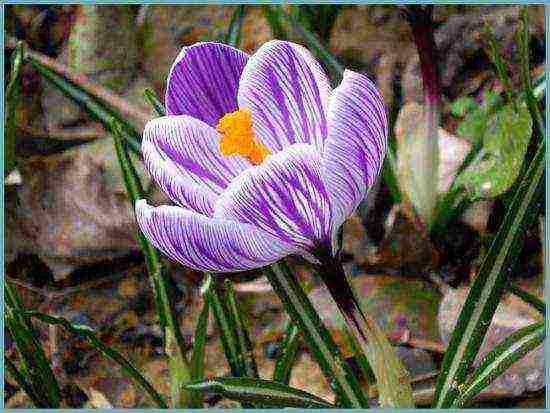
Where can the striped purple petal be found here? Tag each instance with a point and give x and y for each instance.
(287, 92)
(356, 144)
(203, 81)
(207, 244)
(284, 196)
(183, 156)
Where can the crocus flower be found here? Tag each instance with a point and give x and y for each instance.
(261, 157)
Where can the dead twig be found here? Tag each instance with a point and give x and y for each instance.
(126, 110)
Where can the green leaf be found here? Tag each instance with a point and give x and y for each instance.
(154, 101)
(473, 126)
(257, 391)
(234, 31)
(23, 383)
(225, 324)
(179, 372)
(244, 345)
(463, 106)
(505, 141)
(35, 366)
(529, 298)
(112, 354)
(288, 355)
(278, 15)
(197, 360)
(318, 18)
(277, 27)
(502, 357)
(417, 131)
(12, 96)
(489, 284)
(523, 42)
(502, 71)
(320, 343)
(388, 173)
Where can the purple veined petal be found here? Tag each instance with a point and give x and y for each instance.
(284, 196)
(356, 144)
(287, 92)
(204, 80)
(208, 244)
(183, 156)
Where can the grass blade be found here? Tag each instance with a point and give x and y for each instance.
(500, 66)
(487, 288)
(197, 359)
(154, 101)
(278, 15)
(234, 31)
(174, 342)
(107, 351)
(277, 28)
(320, 343)
(289, 353)
(225, 325)
(503, 356)
(12, 95)
(530, 99)
(34, 363)
(23, 383)
(245, 348)
(529, 298)
(257, 391)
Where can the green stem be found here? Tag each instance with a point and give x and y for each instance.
(319, 341)
(393, 381)
(289, 354)
(154, 101)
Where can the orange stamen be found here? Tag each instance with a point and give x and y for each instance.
(238, 137)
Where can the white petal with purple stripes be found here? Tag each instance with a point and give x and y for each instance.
(203, 81)
(207, 244)
(356, 144)
(287, 92)
(284, 196)
(183, 156)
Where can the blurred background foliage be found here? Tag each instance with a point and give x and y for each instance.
(70, 239)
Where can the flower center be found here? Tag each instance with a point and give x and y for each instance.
(238, 137)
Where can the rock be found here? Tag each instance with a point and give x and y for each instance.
(400, 305)
(461, 39)
(355, 240)
(102, 45)
(377, 40)
(405, 247)
(97, 400)
(255, 29)
(374, 39)
(72, 208)
(166, 29)
(526, 375)
(418, 362)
